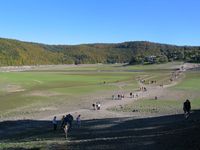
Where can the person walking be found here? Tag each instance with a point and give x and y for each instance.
(66, 126)
(78, 121)
(186, 108)
(62, 122)
(70, 120)
(93, 105)
(54, 121)
(131, 95)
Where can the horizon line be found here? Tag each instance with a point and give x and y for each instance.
(90, 43)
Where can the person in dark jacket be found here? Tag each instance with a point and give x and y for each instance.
(186, 108)
(69, 119)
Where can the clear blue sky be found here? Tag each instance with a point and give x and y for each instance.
(101, 21)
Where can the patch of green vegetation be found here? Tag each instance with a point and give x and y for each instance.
(195, 104)
(80, 90)
(131, 86)
(161, 77)
(191, 82)
(21, 90)
(165, 66)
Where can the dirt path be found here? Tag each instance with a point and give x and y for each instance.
(89, 113)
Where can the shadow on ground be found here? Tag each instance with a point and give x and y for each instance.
(166, 132)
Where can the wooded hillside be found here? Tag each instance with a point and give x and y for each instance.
(14, 52)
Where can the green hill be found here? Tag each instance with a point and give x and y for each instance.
(14, 52)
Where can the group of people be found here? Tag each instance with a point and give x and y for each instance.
(175, 75)
(67, 120)
(66, 123)
(121, 96)
(96, 106)
(142, 81)
(133, 95)
(152, 82)
(118, 97)
(143, 89)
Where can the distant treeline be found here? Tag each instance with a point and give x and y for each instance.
(14, 52)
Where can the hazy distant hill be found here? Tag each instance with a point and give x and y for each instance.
(14, 52)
